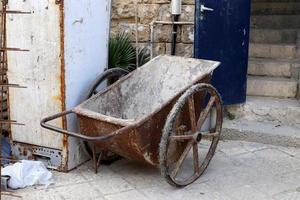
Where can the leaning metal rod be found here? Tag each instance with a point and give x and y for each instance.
(3, 64)
(152, 26)
(12, 49)
(14, 12)
(11, 85)
(136, 33)
(10, 122)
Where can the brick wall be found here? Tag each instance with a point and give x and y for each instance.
(123, 19)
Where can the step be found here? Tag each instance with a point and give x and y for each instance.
(268, 109)
(270, 67)
(273, 35)
(275, 21)
(264, 50)
(267, 133)
(271, 8)
(272, 86)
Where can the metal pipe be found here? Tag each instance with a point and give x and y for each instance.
(175, 18)
(151, 39)
(176, 12)
(170, 23)
(103, 137)
(176, 7)
(136, 34)
(152, 26)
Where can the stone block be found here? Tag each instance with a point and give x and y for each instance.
(163, 33)
(157, 1)
(187, 35)
(158, 48)
(188, 2)
(147, 13)
(184, 2)
(123, 9)
(164, 13)
(185, 50)
(188, 12)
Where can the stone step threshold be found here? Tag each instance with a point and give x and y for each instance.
(275, 51)
(272, 67)
(267, 109)
(272, 86)
(261, 132)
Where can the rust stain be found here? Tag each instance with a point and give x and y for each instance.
(62, 76)
(57, 98)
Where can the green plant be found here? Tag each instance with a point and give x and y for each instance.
(144, 56)
(122, 54)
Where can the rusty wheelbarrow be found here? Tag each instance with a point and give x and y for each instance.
(164, 114)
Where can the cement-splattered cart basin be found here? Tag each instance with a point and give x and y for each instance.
(146, 90)
(129, 117)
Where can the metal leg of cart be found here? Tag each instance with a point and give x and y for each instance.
(97, 159)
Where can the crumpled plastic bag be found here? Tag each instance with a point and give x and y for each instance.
(27, 173)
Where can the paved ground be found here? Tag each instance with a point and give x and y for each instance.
(239, 171)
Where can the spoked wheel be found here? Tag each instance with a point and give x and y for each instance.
(191, 135)
(101, 82)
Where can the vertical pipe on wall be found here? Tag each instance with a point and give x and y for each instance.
(174, 34)
(176, 12)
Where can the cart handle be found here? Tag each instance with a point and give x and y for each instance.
(44, 124)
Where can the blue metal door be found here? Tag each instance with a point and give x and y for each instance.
(222, 34)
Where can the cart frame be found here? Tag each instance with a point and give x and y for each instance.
(135, 140)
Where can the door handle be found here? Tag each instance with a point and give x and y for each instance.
(203, 8)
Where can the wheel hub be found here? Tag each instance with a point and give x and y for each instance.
(198, 136)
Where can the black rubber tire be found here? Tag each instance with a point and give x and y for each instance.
(168, 129)
(115, 73)
(107, 74)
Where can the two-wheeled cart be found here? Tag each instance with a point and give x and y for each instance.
(164, 113)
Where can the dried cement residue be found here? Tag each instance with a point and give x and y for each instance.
(149, 87)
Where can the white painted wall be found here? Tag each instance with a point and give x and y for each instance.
(87, 25)
(39, 70)
(86, 39)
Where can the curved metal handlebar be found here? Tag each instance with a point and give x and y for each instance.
(70, 133)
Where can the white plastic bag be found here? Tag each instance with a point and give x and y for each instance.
(27, 173)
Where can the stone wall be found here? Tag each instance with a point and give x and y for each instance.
(123, 20)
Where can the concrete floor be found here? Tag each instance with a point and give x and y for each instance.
(239, 171)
